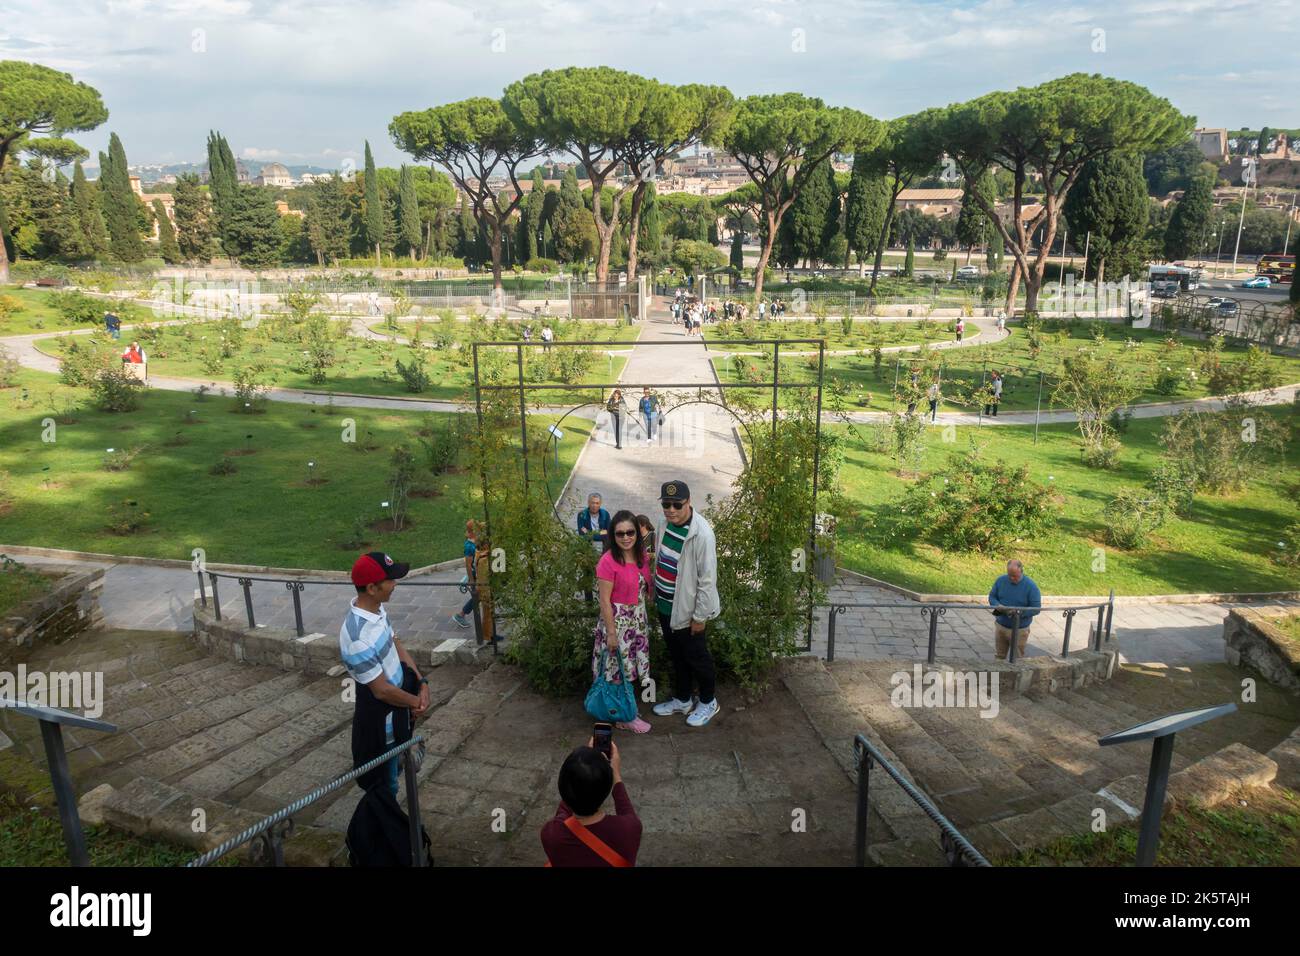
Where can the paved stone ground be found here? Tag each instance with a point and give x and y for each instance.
(695, 443)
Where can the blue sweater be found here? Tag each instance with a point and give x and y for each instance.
(1024, 594)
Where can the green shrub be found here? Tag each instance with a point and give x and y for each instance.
(971, 504)
(1131, 516)
(250, 388)
(415, 375)
(441, 445)
(116, 390)
(126, 517)
(1174, 483)
(1255, 371)
(1288, 552)
(224, 466)
(539, 264)
(8, 367)
(1168, 380)
(82, 360)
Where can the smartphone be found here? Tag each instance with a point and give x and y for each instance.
(603, 733)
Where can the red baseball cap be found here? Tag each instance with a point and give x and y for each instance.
(375, 567)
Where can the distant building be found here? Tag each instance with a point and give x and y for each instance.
(283, 209)
(274, 174)
(1213, 143)
(941, 203)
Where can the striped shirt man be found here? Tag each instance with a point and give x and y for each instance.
(670, 553)
(367, 648)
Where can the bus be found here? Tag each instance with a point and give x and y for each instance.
(1277, 267)
(1170, 280)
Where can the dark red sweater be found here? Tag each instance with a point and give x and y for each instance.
(622, 832)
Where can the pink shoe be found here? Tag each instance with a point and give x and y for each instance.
(637, 726)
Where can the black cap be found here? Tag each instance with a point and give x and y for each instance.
(674, 491)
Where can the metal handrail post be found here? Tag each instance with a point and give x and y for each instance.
(830, 635)
(860, 833)
(56, 757)
(295, 588)
(1101, 623)
(216, 600)
(413, 810)
(247, 585)
(934, 633)
(1069, 622)
(1015, 637)
(203, 593)
(1110, 613)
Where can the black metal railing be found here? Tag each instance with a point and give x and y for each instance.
(275, 829)
(52, 722)
(295, 587)
(933, 610)
(959, 850)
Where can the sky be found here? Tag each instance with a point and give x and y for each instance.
(309, 82)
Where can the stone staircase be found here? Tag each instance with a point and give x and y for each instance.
(1033, 772)
(197, 733)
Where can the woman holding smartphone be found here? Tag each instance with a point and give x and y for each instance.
(623, 577)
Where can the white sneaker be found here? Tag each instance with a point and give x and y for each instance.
(674, 706)
(703, 713)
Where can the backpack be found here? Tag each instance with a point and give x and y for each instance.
(379, 833)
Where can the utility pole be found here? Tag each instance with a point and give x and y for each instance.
(1289, 220)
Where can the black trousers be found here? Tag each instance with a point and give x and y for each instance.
(991, 409)
(692, 662)
(618, 431)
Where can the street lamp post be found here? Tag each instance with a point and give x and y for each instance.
(1289, 220)
(1220, 250)
(1247, 173)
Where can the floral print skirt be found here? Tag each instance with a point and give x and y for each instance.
(633, 641)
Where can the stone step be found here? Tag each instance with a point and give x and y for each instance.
(825, 703)
(1206, 782)
(330, 756)
(1103, 720)
(1125, 712)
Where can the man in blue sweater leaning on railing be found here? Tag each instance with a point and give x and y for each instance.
(1014, 589)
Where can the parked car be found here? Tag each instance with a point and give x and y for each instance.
(968, 272)
(1258, 282)
(1229, 307)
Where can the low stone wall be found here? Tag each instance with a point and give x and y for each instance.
(1044, 674)
(70, 606)
(269, 646)
(1251, 638)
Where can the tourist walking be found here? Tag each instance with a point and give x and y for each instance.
(113, 324)
(1013, 590)
(581, 833)
(548, 337)
(647, 537)
(390, 691)
(649, 407)
(615, 408)
(961, 327)
(995, 385)
(623, 580)
(686, 597)
(932, 394)
(470, 553)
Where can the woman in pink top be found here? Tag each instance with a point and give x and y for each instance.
(623, 576)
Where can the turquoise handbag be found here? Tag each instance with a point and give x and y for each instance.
(606, 700)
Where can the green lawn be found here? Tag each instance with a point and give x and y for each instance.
(1259, 827)
(18, 584)
(964, 369)
(36, 314)
(363, 367)
(864, 335)
(1226, 545)
(60, 495)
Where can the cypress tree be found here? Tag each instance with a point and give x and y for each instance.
(911, 256)
(374, 219)
(167, 247)
(864, 213)
(92, 234)
(1190, 223)
(409, 211)
(737, 262)
(255, 227)
(120, 207)
(193, 221)
(997, 248)
(223, 184)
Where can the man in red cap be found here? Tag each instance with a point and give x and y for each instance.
(375, 660)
